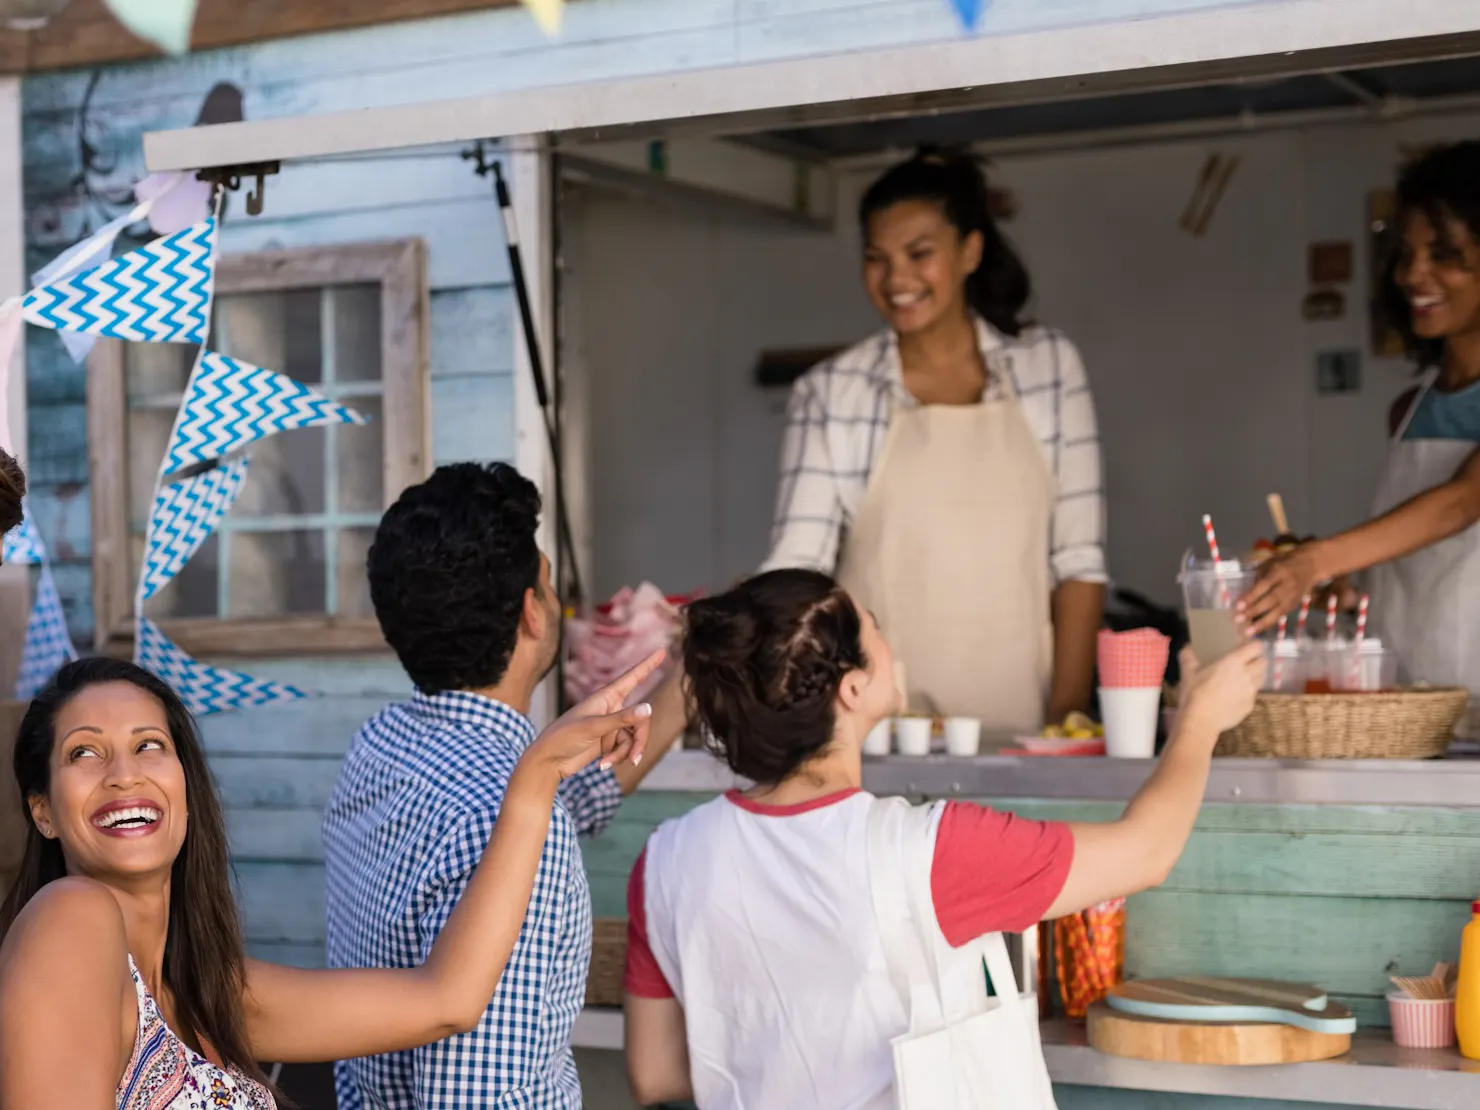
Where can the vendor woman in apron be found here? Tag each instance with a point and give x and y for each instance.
(947, 469)
(1423, 540)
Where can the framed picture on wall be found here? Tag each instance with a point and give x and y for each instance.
(1382, 241)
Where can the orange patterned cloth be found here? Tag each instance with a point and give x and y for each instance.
(1089, 953)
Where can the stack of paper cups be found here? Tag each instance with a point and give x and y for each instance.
(1132, 665)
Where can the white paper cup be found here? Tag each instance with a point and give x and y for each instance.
(1130, 717)
(912, 735)
(963, 736)
(879, 738)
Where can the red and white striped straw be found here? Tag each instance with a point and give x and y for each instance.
(1331, 617)
(1304, 616)
(1212, 538)
(1279, 659)
(1217, 560)
(1357, 644)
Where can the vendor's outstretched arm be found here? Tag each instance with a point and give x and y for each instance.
(1434, 515)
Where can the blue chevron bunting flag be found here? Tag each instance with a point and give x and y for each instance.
(204, 689)
(229, 403)
(23, 543)
(160, 293)
(970, 11)
(184, 515)
(48, 644)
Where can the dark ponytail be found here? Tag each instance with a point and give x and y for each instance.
(764, 662)
(997, 289)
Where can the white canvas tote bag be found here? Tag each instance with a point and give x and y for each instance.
(964, 1049)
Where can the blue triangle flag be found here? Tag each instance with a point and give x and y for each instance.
(970, 12)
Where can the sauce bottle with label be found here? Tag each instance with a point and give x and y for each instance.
(1467, 994)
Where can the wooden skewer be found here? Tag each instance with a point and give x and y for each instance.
(1424, 987)
(1276, 505)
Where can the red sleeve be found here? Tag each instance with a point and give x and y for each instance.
(642, 976)
(994, 872)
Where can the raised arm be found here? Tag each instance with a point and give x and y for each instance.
(1423, 521)
(309, 1016)
(809, 512)
(64, 993)
(1138, 851)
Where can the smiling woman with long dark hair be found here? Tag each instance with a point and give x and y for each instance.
(947, 468)
(123, 981)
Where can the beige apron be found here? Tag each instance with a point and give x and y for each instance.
(950, 551)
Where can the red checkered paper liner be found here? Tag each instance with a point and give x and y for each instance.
(1134, 660)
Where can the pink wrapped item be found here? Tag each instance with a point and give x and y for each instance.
(1135, 660)
(615, 637)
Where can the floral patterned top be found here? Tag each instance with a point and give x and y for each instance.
(164, 1074)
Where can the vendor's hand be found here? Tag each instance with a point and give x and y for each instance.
(1219, 697)
(1283, 581)
(597, 727)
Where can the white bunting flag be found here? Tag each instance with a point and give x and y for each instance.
(184, 515)
(229, 404)
(203, 689)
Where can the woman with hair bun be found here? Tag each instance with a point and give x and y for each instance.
(757, 974)
(947, 469)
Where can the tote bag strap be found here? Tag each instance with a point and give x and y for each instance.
(905, 956)
(960, 983)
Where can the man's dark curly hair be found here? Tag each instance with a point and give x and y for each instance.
(448, 570)
(12, 489)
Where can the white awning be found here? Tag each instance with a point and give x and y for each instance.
(1225, 43)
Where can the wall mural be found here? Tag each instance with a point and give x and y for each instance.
(80, 175)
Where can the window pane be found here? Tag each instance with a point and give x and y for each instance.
(277, 331)
(273, 573)
(285, 476)
(354, 586)
(146, 435)
(156, 372)
(354, 315)
(359, 451)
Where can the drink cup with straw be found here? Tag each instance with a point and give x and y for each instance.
(1279, 658)
(1211, 588)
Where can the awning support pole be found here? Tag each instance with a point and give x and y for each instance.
(485, 167)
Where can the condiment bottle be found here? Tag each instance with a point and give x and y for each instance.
(1467, 995)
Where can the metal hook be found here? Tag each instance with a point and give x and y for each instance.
(476, 155)
(254, 198)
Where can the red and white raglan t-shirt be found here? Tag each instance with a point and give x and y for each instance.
(759, 920)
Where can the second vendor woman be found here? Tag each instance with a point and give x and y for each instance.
(947, 469)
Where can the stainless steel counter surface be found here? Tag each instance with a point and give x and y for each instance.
(1442, 782)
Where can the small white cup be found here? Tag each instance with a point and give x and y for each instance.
(963, 736)
(1130, 717)
(879, 738)
(912, 734)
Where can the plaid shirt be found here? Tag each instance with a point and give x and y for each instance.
(411, 814)
(840, 410)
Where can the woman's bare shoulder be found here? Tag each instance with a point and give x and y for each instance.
(72, 928)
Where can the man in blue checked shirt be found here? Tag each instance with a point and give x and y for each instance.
(463, 596)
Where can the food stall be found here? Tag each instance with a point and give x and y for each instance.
(1340, 873)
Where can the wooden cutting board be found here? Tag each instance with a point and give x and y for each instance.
(1194, 998)
(1197, 1042)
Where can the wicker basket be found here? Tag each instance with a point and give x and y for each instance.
(1408, 724)
(608, 956)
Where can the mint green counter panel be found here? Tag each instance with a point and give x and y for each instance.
(1338, 896)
